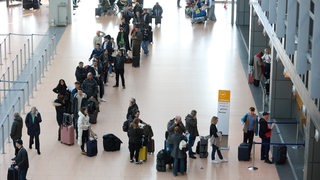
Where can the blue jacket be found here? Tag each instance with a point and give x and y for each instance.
(245, 124)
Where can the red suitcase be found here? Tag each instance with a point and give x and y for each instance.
(67, 130)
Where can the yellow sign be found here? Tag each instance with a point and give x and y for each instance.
(224, 96)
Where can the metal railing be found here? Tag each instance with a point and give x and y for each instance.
(21, 76)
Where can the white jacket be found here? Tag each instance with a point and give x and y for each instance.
(83, 124)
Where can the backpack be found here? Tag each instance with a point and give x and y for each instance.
(91, 107)
(125, 125)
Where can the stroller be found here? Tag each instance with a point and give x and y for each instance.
(198, 15)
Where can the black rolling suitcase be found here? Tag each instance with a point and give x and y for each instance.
(161, 161)
(12, 173)
(243, 152)
(279, 154)
(36, 4)
(92, 148)
(203, 147)
(27, 4)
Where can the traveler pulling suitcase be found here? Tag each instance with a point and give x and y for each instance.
(12, 173)
(279, 154)
(243, 152)
(67, 130)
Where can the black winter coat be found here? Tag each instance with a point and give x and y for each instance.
(33, 127)
(263, 128)
(131, 111)
(90, 87)
(119, 62)
(81, 74)
(60, 110)
(192, 126)
(16, 129)
(22, 160)
(135, 135)
(213, 130)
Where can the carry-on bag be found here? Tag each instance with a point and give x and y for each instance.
(12, 173)
(279, 154)
(244, 152)
(92, 149)
(67, 130)
(143, 153)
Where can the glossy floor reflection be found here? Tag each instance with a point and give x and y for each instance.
(186, 67)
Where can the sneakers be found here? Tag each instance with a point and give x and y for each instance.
(116, 86)
(192, 156)
(131, 160)
(215, 161)
(138, 162)
(223, 160)
(83, 153)
(111, 75)
(103, 100)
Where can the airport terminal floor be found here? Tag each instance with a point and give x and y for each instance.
(184, 70)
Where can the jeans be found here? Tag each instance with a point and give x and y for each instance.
(23, 174)
(265, 149)
(248, 137)
(144, 45)
(191, 143)
(213, 153)
(179, 162)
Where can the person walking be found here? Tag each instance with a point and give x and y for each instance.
(119, 69)
(135, 134)
(16, 130)
(213, 132)
(250, 127)
(192, 129)
(265, 134)
(83, 128)
(179, 155)
(33, 120)
(21, 161)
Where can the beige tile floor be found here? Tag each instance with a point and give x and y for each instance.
(186, 67)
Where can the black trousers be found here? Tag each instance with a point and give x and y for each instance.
(36, 138)
(121, 73)
(248, 138)
(16, 150)
(84, 138)
(134, 149)
(265, 148)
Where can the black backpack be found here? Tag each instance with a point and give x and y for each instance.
(91, 107)
(111, 142)
(126, 125)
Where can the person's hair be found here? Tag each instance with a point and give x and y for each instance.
(16, 115)
(214, 120)
(252, 109)
(80, 62)
(62, 86)
(135, 123)
(83, 109)
(133, 100)
(176, 130)
(193, 112)
(77, 82)
(98, 44)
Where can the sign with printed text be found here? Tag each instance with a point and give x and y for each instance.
(223, 111)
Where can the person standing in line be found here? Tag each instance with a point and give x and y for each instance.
(80, 100)
(135, 140)
(179, 155)
(90, 86)
(83, 128)
(16, 130)
(33, 120)
(192, 129)
(267, 62)
(98, 38)
(80, 73)
(213, 132)
(132, 109)
(250, 127)
(119, 69)
(257, 69)
(21, 161)
(265, 134)
(60, 107)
